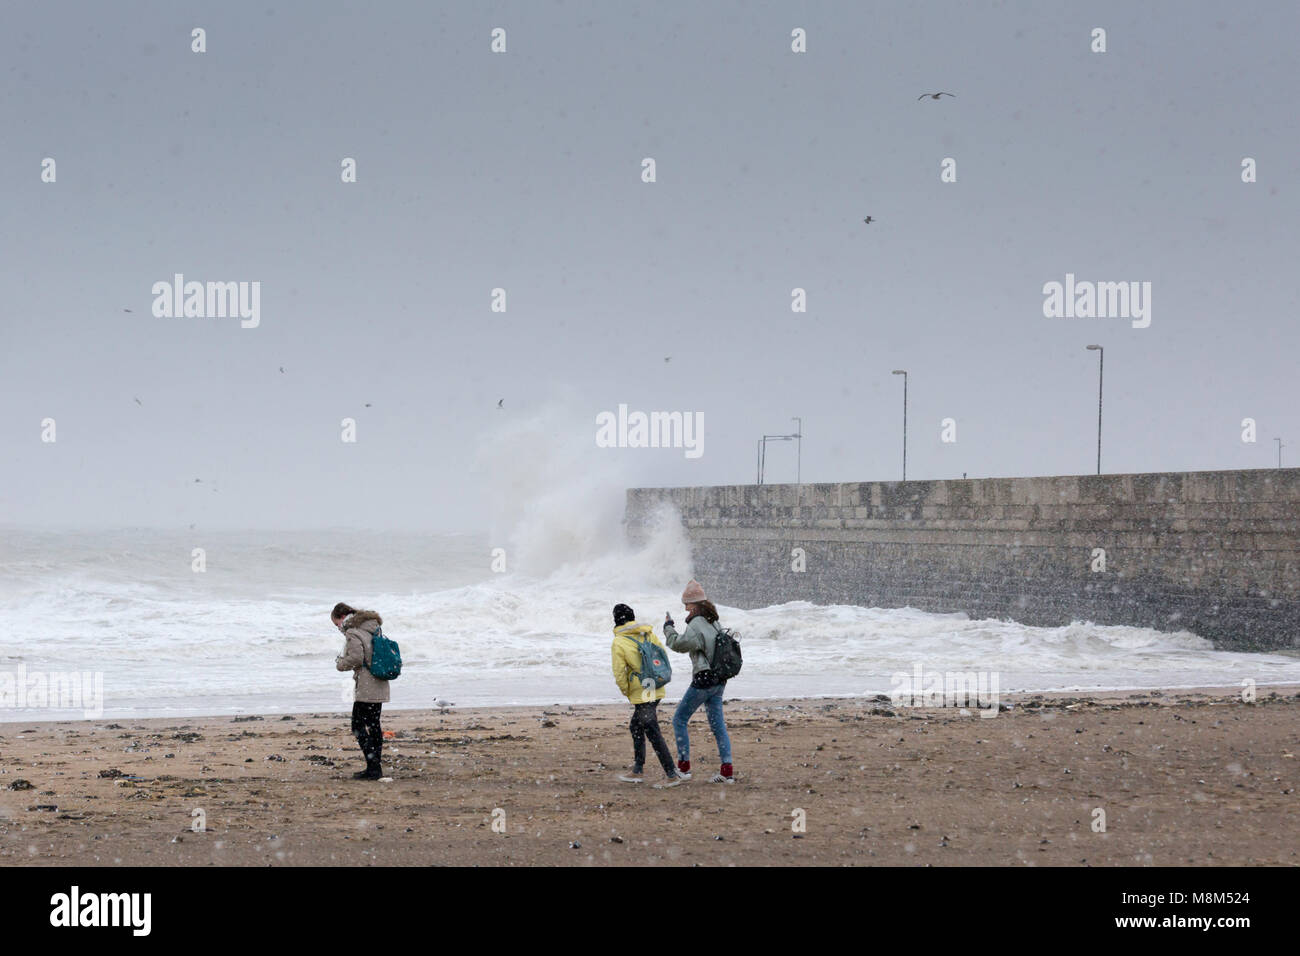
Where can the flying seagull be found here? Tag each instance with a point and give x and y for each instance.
(668, 358)
(126, 310)
(367, 404)
(138, 402)
(935, 96)
(281, 369)
(869, 220)
(501, 403)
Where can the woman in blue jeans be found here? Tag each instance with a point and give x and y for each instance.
(698, 640)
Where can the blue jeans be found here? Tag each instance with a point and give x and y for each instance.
(690, 703)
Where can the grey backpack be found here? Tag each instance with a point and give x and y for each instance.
(654, 665)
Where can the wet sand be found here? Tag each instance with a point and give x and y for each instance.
(1183, 777)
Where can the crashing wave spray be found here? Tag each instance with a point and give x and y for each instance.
(557, 502)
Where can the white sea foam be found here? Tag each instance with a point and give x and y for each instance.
(251, 634)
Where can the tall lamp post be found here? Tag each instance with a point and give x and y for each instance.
(903, 372)
(798, 435)
(1101, 366)
(1280, 446)
(762, 454)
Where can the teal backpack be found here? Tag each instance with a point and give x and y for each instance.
(654, 665)
(385, 657)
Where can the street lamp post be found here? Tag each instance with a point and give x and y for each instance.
(762, 452)
(1280, 446)
(798, 474)
(1101, 365)
(762, 456)
(903, 372)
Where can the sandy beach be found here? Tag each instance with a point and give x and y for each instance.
(1182, 777)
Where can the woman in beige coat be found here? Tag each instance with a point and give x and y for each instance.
(369, 692)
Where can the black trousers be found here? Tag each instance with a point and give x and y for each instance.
(645, 723)
(367, 730)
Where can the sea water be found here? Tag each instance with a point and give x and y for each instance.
(250, 633)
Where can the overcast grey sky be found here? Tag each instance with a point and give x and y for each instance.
(522, 170)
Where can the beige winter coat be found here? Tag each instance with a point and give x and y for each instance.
(359, 632)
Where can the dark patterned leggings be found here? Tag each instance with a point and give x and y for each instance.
(367, 730)
(645, 723)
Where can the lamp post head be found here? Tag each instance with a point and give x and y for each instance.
(1094, 348)
(900, 371)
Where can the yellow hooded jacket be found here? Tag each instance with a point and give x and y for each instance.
(627, 661)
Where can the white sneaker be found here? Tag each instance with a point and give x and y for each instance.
(676, 781)
(719, 778)
(631, 777)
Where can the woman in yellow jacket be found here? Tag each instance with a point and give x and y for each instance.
(626, 654)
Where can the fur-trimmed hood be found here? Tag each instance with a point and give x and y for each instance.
(361, 619)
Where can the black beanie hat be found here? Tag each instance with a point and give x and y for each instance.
(623, 614)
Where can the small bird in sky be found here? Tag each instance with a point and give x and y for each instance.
(668, 358)
(138, 402)
(935, 96)
(281, 369)
(367, 404)
(501, 403)
(869, 220)
(126, 310)
(198, 481)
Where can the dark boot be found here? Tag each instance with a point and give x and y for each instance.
(372, 746)
(373, 758)
(363, 741)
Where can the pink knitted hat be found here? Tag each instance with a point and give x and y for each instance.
(694, 593)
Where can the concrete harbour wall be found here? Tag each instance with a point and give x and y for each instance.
(1216, 553)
